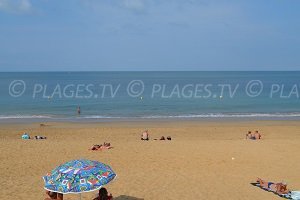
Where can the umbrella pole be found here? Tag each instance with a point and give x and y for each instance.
(80, 196)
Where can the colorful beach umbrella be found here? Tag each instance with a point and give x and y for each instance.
(78, 176)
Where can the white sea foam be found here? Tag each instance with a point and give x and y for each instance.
(24, 117)
(206, 115)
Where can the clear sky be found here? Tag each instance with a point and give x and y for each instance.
(53, 35)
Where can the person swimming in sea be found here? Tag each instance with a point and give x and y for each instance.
(78, 110)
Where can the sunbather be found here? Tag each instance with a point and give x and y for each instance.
(37, 137)
(277, 188)
(253, 136)
(145, 135)
(97, 147)
(257, 135)
(106, 146)
(249, 135)
(162, 138)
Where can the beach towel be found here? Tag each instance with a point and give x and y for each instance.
(294, 195)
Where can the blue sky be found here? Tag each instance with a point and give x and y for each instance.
(53, 35)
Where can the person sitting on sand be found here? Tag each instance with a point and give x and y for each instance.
(249, 135)
(103, 195)
(169, 138)
(277, 188)
(162, 138)
(145, 135)
(54, 195)
(257, 135)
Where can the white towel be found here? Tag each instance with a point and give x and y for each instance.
(295, 195)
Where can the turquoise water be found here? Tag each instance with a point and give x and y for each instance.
(56, 95)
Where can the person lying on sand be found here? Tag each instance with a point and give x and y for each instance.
(277, 188)
(145, 135)
(103, 195)
(54, 195)
(37, 137)
(163, 138)
(97, 147)
(106, 144)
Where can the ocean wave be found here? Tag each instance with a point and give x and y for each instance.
(209, 115)
(24, 117)
(221, 115)
(101, 117)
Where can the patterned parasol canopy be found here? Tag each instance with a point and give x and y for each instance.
(78, 176)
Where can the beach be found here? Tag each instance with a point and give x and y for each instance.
(204, 160)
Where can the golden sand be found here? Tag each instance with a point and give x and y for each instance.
(204, 160)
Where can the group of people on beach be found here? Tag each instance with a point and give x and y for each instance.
(145, 136)
(102, 195)
(277, 188)
(253, 136)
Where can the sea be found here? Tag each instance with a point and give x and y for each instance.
(167, 95)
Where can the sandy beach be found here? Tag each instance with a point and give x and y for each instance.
(204, 160)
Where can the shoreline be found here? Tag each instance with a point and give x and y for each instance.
(145, 123)
(124, 120)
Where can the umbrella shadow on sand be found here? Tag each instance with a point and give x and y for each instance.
(125, 197)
